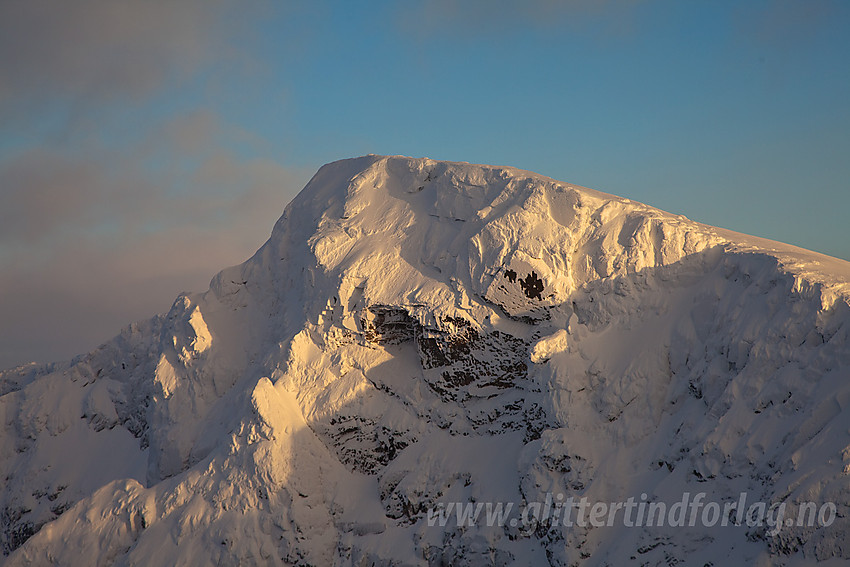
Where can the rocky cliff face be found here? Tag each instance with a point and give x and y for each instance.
(417, 333)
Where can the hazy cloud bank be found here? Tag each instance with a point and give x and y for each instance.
(92, 241)
(97, 230)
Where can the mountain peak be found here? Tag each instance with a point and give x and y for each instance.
(418, 333)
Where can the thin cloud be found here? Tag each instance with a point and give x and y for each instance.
(111, 245)
(785, 24)
(92, 51)
(97, 230)
(189, 133)
(43, 192)
(481, 17)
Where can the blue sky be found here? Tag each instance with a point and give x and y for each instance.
(147, 145)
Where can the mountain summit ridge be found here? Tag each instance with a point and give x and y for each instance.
(416, 332)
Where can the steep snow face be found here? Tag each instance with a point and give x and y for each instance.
(417, 333)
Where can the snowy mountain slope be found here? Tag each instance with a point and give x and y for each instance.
(416, 333)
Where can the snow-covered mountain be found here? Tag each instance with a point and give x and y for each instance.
(416, 334)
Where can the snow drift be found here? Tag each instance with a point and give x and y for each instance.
(418, 332)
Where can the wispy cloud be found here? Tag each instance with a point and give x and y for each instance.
(424, 19)
(787, 23)
(99, 229)
(95, 51)
(91, 243)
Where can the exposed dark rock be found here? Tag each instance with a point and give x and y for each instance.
(532, 286)
(14, 529)
(365, 445)
(387, 325)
